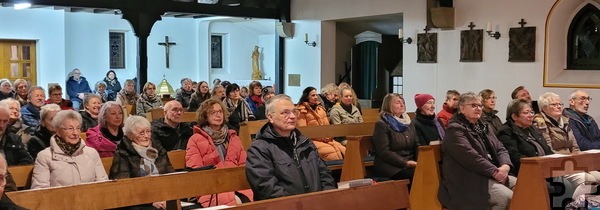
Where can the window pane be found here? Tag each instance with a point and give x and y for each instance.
(26, 70)
(14, 52)
(399, 81)
(14, 70)
(26, 52)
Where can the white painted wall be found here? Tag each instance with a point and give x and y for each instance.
(238, 44)
(267, 55)
(26, 24)
(495, 72)
(303, 59)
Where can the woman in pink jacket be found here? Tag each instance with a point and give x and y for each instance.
(213, 143)
(109, 131)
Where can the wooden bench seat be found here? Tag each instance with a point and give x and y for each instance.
(383, 195)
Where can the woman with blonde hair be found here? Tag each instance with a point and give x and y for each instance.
(148, 100)
(109, 131)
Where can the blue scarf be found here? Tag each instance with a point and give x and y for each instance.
(395, 124)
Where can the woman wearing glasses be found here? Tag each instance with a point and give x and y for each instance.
(555, 129)
(475, 165)
(68, 161)
(109, 131)
(137, 155)
(213, 143)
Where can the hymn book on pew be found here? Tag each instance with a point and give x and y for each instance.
(355, 183)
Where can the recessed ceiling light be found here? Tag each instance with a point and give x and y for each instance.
(20, 6)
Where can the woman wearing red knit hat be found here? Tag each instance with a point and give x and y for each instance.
(428, 126)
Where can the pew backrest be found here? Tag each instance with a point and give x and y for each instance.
(426, 180)
(370, 115)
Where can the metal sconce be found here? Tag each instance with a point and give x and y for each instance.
(313, 43)
(401, 37)
(495, 34)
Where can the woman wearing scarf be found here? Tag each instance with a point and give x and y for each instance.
(429, 128)
(148, 100)
(313, 113)
(255, 97)
(475, 165)
(105, 94)
(40, 138)
(109, 132)
(68, 161)
(238, 107)
(395, 140)
(128, 96)
(201, 94)
(344, 112)
(213, 143)
(266, 93)
(91, 109)
(112, 84)
(137, 155)
(184, 93)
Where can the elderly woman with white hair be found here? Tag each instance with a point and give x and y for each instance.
(68, 161)
(128, 95)
(15, 122)
(555, 129)
(104, 93)
(6, 90)
(138, 155)
(109, 132)
(90, 112)
(21, 90)
(40, 138)
(148, 100)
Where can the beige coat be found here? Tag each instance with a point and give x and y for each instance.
(54, 168)
(338, 115)
(560, 140)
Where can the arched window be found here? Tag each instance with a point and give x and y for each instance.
(583, 40)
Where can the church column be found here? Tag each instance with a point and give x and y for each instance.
(142, 23)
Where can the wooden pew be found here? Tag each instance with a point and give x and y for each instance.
(134, 191)
(370, 115)
(22, 174)
(426, 180)
(531, 192)
(383, 195)
(158, 113)
(249, 128)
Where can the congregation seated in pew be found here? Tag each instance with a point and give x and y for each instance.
(237, 107)
(266, 94)
(584, 127)
(345, 112)
(184, 93)
(55, 97)
(40, 138)
(30, 113)
(311, 113)
(281, 161)
(170, 131)
(428, 126)
(128, 95)
(91, 109)
(139, 155)
(68, 161)
(109, 131)
(214, 143)
(201, 94)
(395, 140)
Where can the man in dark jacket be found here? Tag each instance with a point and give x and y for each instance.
(281, 161)
(77, 87)
(169, 131)
(585, 129)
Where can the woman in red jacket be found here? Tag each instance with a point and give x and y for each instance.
(213, 143)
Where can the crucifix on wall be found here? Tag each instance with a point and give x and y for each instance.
(167, 45)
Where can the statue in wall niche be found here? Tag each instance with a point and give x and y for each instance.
(256, 75)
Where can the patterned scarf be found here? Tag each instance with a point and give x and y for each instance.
(103, 95)
(67, 148)
(257, 100)
(397, 124)
(111, 82)
(149, 155)
(220, 139)
(148, 98)
(245, 111)
(130, 97)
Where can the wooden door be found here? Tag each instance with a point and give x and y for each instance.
(18, 60)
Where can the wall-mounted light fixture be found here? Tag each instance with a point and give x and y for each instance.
(495, 34)
(401, 37)
(313, 43)
(20, 6)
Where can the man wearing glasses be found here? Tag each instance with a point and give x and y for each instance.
(170, 131)
(281, 161)
(583, 125)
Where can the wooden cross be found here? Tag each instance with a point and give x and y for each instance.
(167, 45)
(522, 23)
(427, 29)
(471, 26)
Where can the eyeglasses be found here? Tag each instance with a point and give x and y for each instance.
(474, 105)
(215, 112)
(289, 112)
(528, 113)
(71, 129)
(583, 98)
(22, 87)
(556, 105)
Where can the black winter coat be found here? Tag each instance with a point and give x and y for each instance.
(171, 138)
(39, 141)
(14, 150)
(126, 161)
(277, 168)
(515, 142)
(88, 121)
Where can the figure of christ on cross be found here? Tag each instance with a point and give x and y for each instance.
(167, 45)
